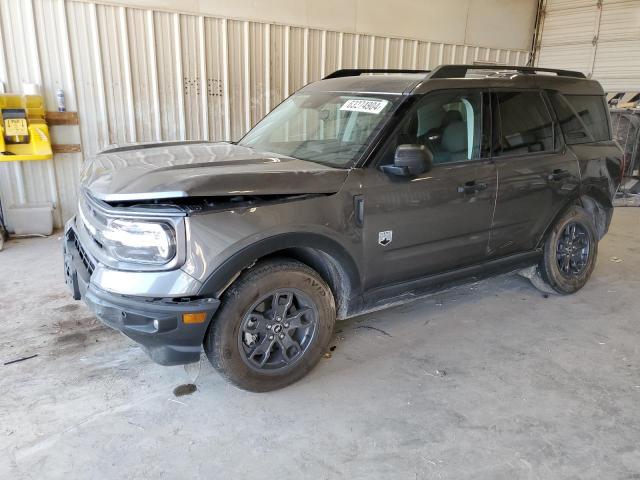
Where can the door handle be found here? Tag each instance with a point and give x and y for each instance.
(358, 208)
(472, 187)
(559, 174)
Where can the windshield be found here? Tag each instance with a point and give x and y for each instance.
(324, 127)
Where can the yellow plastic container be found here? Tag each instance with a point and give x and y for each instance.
(24, 134)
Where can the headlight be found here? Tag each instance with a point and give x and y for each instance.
(139, 241)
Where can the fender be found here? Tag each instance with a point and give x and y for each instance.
(592, 200)
(600, 206)
(226, 272)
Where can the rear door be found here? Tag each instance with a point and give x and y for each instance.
(439, 220)
(537, 174)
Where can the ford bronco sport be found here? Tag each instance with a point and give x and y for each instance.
(363, 190)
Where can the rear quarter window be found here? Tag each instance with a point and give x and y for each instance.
(582, 118)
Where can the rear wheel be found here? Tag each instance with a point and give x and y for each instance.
(570, 252)
(275, 323)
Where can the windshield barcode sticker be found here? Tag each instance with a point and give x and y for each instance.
(364, 105)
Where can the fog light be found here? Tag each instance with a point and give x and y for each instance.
(196, 317)
(156, 324)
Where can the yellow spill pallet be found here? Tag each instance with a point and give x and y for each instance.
(24, 134)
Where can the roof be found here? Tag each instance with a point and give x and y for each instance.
(406, 82)
(390, 84)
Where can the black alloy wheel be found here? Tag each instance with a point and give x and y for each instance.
(277, 330)
(569, 253)
(572, 251)
(274, 324)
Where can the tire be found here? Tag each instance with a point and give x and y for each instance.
(566, 269)
(248, 330)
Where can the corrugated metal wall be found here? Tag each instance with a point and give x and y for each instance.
(599, 38)
(138, 75)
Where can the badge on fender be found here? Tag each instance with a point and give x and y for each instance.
(384, 238)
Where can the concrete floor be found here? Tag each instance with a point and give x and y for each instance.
(486, 381)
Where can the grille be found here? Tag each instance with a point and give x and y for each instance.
(86, 261)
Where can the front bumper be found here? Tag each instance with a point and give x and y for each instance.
(155, 323)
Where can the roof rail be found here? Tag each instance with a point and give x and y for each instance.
(354, 72)
(460, 71)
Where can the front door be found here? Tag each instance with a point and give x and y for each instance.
(440, 220)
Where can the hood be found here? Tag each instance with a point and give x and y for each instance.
(195, 169)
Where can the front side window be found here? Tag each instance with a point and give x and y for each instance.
(583, 118)
(324, 127)
(448, 123)
(524, 124)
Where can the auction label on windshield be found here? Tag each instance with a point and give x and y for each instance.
(364, 105)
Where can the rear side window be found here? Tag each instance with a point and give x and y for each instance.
(583, 118)
(524, 124)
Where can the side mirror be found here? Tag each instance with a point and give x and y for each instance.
(410, 161)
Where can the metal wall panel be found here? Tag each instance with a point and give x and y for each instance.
(87, 68)
(568, 30)
(617, 58)
(577, 57)
(617, 66)
(570, 27)
(143, 74)
(601, 39)
(556, 5)
(215, 75)
(139, 75)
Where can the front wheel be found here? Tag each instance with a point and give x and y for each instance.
(274, 325)
(570, 252)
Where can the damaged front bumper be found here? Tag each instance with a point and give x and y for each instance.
(155, 323)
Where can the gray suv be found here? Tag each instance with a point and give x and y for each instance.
(363, 190)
